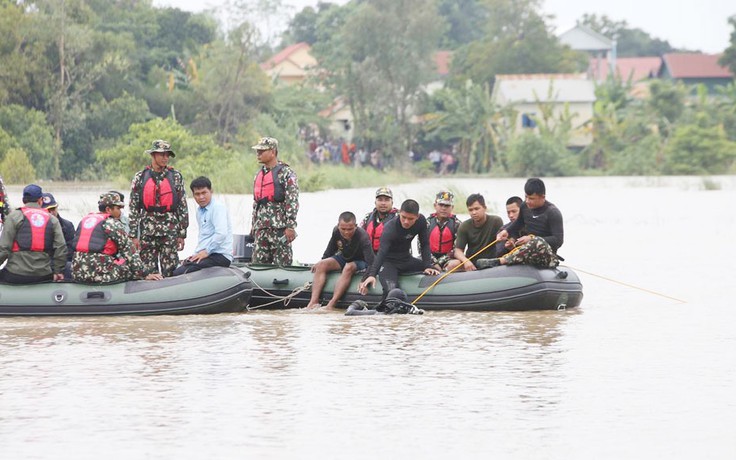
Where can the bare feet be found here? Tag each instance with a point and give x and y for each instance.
(313, 306)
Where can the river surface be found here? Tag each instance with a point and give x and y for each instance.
(645, 368)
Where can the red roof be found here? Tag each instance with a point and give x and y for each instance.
(638, 68)
(442, 61)
(695, 65)
(283, 55)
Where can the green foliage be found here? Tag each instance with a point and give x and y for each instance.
(629, 42)
(31, 133)
(729, 54)
(17, 168)
(531, 155)
(695, 149)
(517, 39)
(313, 178)
(195, 155)
(637, 158)
(464, 18)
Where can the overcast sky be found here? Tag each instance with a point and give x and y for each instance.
(691, 24)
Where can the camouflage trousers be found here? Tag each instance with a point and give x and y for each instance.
(99, 268)
(270, 247)
(536, 252)
(159, 249)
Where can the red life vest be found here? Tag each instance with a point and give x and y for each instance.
(91, 236)
(159, 196)
(375, 228)
(267, 186)
(441, 237)
(35, 232)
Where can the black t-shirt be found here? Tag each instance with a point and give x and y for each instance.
(358, 248)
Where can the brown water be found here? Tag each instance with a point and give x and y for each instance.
(629, 374)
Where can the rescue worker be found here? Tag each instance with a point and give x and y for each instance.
(384, 211)
(32, 242)
(158, 211)
(275, 206)
(443, 226)
(67, 228)
(103, 251)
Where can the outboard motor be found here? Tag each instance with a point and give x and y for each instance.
(243, 248)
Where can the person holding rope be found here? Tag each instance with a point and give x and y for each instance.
(476, 233)
(543, 224)
(394, 254)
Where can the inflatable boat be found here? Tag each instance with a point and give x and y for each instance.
(214, 290)
(504, 288)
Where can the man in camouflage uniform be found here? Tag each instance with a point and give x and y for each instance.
(158, 211)
(443, 226)
(104, 253)
(275, 205)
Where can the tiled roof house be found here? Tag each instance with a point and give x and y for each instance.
(695, 68)
(292, 64)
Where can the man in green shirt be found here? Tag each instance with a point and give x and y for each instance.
(476, 233)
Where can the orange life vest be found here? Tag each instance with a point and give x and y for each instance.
(159, 196)
(91, 237)
(375, 228)
(441, 237)
(267, 186)
(35, 232)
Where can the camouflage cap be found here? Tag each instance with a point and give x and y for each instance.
(384, 191)
(445, 197)
(110, 199)
(266, 143)
(160, 146)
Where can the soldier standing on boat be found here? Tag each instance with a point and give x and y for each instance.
(158, 211)
(275, 206)
(103, 253)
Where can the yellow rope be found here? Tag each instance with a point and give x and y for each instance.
(629, 285)
(453, 269)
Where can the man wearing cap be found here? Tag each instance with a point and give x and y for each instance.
(103, 251)
(67, 228)
(443, 226)
(275, 206)
(158, 211)
(32, 242)
(384, 211)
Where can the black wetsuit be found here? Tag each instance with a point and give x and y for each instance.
(394, 254)
(544, 221)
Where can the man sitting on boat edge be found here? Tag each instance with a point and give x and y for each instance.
(215, 244)
(349, 250)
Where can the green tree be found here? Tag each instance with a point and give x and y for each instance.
(629, 42)
(465, 20)
(517, 39)
(698, 149)
(729, 54)
(532, 155)
(17, 168)
(381, 73)
(29, 131)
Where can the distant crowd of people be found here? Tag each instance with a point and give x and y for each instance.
(338, 151)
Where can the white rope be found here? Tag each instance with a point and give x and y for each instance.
(286, 299)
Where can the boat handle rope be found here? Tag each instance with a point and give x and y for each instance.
(453, 269)
(286, 299)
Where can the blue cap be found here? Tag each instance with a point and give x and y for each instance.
(32, 193)
(49, 201)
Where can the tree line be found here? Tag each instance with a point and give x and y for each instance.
(86, 85)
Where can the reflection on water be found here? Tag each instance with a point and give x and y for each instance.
(629, 374)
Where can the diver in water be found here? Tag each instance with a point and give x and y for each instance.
(395, 303)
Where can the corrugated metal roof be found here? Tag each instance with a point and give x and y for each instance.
(530, 88)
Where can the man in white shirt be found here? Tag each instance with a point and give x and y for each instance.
(215, 245)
